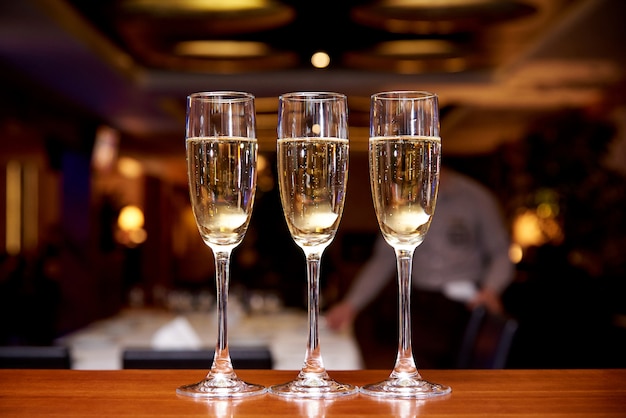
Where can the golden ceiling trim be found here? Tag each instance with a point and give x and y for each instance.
(221, 49)
(180, 19)
(273, 61)
(195, 6)
(438, 17)
(204, 36)
(413, 57)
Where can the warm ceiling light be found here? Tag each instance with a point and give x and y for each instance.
(411, 57)
(166, 6)
(221, 49)
(130, 218)
(129, 167)
(320, 60)
(152, 30)
(415, 47)
(105, 149)
(433, 3)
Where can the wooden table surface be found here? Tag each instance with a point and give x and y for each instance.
(151, 393)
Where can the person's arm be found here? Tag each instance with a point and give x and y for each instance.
(499, 271)
(370, 281)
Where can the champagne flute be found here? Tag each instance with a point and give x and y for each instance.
(222, 151)
(404, 159)
(312, 174)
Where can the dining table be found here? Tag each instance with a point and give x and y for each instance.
(510, 393)
(100, 345)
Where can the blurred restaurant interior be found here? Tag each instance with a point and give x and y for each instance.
(93, 183)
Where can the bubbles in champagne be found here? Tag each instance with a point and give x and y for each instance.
(222, 181)
(405, 178)
(312, 179)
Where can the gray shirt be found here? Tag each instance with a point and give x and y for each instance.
(467, 244)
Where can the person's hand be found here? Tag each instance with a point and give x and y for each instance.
(489, 299)
(340, 316)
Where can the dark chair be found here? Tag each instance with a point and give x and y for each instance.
(34, 357)
(242, 358)
(487, 341)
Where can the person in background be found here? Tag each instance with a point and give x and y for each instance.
(462, 263)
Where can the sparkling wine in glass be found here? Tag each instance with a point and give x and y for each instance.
(221, 148)
(312, 174)
(404, 159)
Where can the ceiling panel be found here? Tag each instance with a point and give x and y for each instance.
(121, 61)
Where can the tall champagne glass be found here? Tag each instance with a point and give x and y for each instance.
(404, 159)
(221, 148)
(312, 175)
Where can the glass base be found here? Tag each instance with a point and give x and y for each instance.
(405, 387)
(313, 385)
(221, 386)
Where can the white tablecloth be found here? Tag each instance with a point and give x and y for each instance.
(100, 345)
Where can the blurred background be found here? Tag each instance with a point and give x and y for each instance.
(93, 188)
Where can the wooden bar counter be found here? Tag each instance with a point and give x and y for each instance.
(151, 393)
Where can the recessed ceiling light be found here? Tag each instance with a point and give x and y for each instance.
(186, 18)
(168, 6)
(320, 59)
(411, 57)
(221, 49)
(416, 47)
(433, 3)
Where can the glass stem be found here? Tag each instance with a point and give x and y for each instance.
(222, 362)
(313, 361)
(405, 364)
